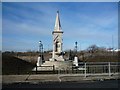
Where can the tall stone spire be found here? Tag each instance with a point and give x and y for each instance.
(57, 23)
(57, 41)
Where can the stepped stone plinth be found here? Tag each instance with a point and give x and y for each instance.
(59, 65)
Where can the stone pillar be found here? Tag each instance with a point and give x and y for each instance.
(75, 62)
(39, 61)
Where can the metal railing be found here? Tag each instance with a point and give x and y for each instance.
(86, 68)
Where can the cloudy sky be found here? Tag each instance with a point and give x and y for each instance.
(25, 24)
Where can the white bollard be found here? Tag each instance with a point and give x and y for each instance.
(75, 62)
(39, 61)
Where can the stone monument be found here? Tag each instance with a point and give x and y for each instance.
(57, 59)
(57, 54)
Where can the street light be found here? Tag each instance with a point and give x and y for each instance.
(41, 50)
(76, 48)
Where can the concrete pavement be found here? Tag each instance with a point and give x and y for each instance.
(36, 78)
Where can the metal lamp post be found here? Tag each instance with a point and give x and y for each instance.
(41, 50)
(76, 48)
(40, 43)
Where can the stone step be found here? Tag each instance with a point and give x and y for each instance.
(58, 64)
(59, 58)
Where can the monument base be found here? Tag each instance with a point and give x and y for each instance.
(57, 58)
(58, 65)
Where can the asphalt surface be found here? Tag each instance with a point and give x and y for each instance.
(60, 81)
(80, 84)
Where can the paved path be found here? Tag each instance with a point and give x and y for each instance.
(55, 78)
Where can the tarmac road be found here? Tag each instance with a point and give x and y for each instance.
(80, 84)
(59, 81)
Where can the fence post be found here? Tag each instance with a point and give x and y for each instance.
(85, 69)
(109, 69)
(53, 69)
(72, 69)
